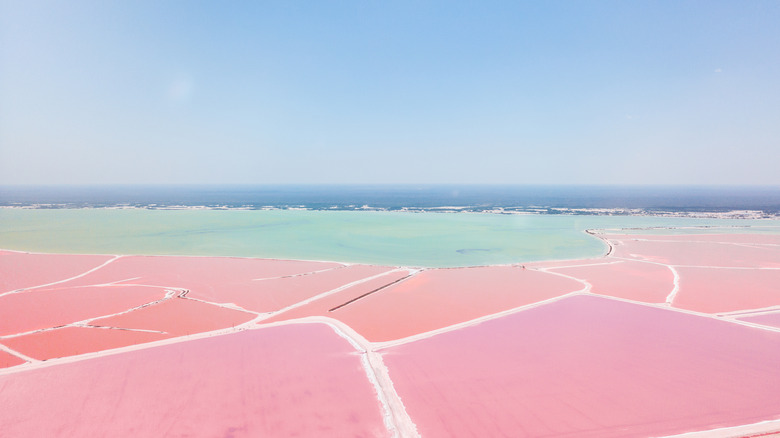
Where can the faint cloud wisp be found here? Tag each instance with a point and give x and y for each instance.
(180, 90)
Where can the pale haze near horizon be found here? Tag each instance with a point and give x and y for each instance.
(390, 92)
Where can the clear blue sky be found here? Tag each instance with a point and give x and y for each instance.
(592, 92)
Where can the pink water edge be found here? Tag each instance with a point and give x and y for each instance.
(22, 270)
(719, 253)
(589, 366)
(767, 319)
(727, 290)
(296, 380)
(43, 308)
(438, 298)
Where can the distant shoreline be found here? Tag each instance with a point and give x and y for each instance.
(535, 210)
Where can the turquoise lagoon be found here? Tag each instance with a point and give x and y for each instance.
(375, 237)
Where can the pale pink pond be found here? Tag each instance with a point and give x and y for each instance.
(9, 360)
(637, 281)
(589, 366)
(655, 248)
(299, 380)
(178, 317)
(43, 308)
(768, 319)
(22, 270)
(727, 290)
(756, 239)
(255, 284)
(70, 341)
(439, 298)
(196, 272)
(322, 306)
(276, 294)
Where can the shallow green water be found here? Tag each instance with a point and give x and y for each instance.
(398, 239)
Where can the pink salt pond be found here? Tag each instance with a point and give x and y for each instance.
(132, 289)
(719, 253)
(276, 294)
(647, 282)
(548, 358)
(255, 284)
(196, 272)
(23, 270)
(178, 317)
(746, 239)
(727, 290)
(42, 308)
(438, 298)
(344, 297)
(767, 319)
(71, 341)
(297, 380)
(9, 360)
(589, 366)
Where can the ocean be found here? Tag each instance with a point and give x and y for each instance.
(536, 198)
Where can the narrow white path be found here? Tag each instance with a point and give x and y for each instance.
(666, 307)
(64, 280)
(397, 420)
(748, 245)
(676, 288)
(230, 306)
(17, 354)
(302, 274)
(327, 293)
(747, 430)
(425, 335)
(110, 352)
(106, 327)
(586, 284)
(85, 323)
(744, 268)
(578, 266)
(410, 273)
(750, 312)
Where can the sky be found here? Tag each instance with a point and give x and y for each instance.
(267, 92)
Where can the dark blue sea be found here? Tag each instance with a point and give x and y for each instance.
(535, 198)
